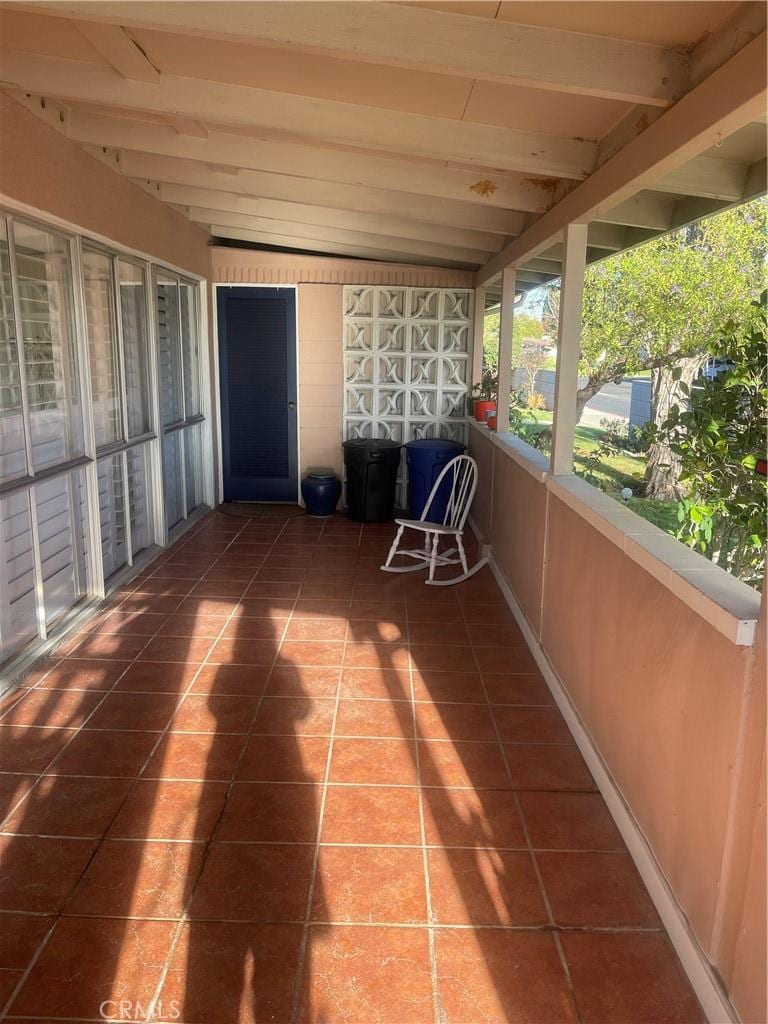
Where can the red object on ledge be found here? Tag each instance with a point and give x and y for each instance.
(482, 407)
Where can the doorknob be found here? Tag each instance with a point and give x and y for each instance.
(291, 405)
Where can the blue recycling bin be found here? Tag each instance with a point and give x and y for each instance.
(426, 460)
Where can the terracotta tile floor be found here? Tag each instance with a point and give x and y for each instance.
(270, 783)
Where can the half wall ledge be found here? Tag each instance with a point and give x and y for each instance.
(726, 603)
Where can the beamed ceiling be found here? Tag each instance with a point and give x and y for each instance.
(426, 133)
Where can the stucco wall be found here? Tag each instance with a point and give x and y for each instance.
(319, 281)
(320, 375)
(519, 515)
(675, 709)
(42, 168)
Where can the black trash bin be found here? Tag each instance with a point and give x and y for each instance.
(371, 467)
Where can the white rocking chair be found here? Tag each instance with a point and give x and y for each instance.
(464, 470)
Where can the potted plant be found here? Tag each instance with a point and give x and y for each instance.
(485, 391)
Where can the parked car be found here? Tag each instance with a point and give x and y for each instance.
(715, 366)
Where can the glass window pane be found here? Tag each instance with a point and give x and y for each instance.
(193, 466)
(45, 299)
(171, 402)
(102, 346)
(133, 313)
(189, 350)
(172, 479)
(61, 527)
(138, 495)
(13, 459)
(18, 618)
(112, 514)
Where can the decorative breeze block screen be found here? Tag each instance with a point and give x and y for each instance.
(407, 362)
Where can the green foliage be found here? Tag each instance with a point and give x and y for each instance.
(658, 302)
(652, 305)
(491, 340)
(523, 326)
(718, 440)
(488, 385)
(624, 437)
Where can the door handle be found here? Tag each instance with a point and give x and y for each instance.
(291, 405)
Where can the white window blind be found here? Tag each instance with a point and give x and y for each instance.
(61, 531)
(114, 548)
(102, 346)
(169, 352)
(45, 299)
(13, 458)
(18, 617)
(133, 313)
(138, 497)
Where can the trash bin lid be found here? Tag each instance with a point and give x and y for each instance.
(371, 443)
(321, 473)
(439, 444)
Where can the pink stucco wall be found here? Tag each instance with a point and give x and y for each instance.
(42, 168)
(674, 708)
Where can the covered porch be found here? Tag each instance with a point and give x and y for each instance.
(245, 776)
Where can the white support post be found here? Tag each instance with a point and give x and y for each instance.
(508, 284)
(568, 348)
(477, 334)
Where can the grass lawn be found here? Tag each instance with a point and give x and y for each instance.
(625, 469)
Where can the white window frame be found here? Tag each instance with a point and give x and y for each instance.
(94, 587)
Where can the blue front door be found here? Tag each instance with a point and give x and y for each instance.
(257, 368)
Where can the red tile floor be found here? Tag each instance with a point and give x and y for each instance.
(270, 783)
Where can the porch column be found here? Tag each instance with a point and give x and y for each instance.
(477, 334)
(568, 347)
(508, 283)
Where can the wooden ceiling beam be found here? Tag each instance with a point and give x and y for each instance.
(325, 121)
(324, 194)
(508, 191)
(372, 223)
(727, 100)
(428, 40)
(342, 237)
(122, 52)
(184, 126)
(272, 240)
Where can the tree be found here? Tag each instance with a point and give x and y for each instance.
(718, 436)
(532, 357)
(523, 326)
(649, 307)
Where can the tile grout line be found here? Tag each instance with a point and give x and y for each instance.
(209, 841)
(531, 853)
(97, 843)
(106, 693)
(437, 1008)
(300, 968)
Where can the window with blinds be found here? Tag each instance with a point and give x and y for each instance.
(73, 311)
(13, 458)
(138, 498)
(189, 349)
(18, 610)
(45, 294)
(180, 395)
(60, 503)
(103, 354)
(133, 314)
(114, 547)
(169, 352)
(173, 479)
